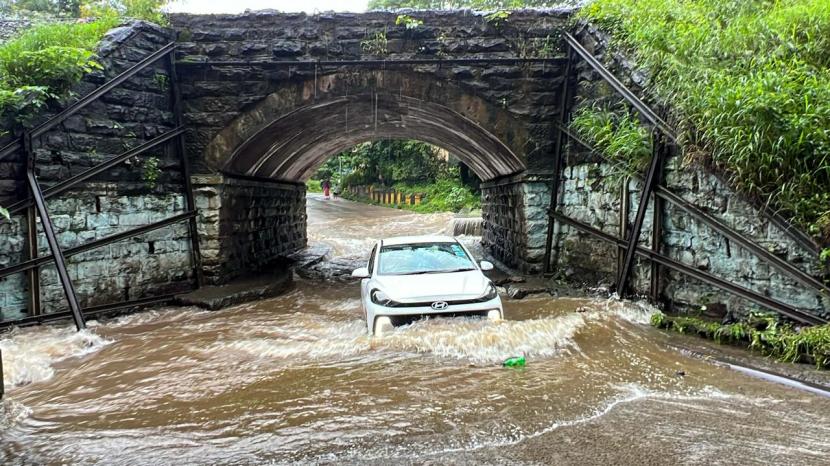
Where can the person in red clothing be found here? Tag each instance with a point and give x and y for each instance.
(326, 188)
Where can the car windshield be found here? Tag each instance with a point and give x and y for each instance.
(419, 258)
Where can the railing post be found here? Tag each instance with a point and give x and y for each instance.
(657, 227)
(559, 142)
(652, 178)
(48, 229)
(625, 200)
(175, 95)
(33, 275)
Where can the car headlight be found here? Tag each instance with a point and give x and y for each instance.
(491, 292)
(379, 297)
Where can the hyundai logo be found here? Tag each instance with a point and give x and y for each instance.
(439, 305)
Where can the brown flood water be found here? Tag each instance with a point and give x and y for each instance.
(295, 379)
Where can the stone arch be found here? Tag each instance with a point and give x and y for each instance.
(293, 130)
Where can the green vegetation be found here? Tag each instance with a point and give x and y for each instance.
(408, 21)
(498, 18)
(376, 44)
(447, 194)
(44, 62)
(618, 135)
(151, 172)
(749, 85)
(760, 332)
(450, 4)
(407, 166)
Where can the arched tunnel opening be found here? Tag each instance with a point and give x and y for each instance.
(285, 149)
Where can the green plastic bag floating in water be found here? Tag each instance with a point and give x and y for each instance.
(516, 361)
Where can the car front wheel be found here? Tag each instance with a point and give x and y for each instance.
(383, 325)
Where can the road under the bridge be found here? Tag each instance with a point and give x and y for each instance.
(296, 379)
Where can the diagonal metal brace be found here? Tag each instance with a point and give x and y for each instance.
(60, 262)
(652, 179)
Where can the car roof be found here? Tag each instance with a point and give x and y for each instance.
(418, 239)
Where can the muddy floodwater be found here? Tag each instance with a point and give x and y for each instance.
(295, 379)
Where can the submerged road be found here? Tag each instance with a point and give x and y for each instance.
(295, 379)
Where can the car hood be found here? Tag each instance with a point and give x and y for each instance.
(433, 286)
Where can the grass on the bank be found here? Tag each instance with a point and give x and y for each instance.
(748, 83)
(446, 195)
(313, 186)
(762, 333)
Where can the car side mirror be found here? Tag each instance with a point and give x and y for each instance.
(485, 265)
(362, 272)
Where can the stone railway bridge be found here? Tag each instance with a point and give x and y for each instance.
(265, 98)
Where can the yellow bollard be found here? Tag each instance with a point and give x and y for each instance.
(417, 199)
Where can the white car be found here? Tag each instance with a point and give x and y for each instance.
(414, 276)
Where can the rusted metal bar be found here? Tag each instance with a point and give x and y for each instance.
(89, 98)
(564, 101)
(780, 264)
(656, 237)
(652, 179)
(39, 261)
(190, 200)
(740, 239)
(91, 311)
(60, 262)
(621, 89)
(625, 199)
(69, 183)
(757, 298)
(33, 275)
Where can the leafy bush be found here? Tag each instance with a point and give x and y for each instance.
(444, 195)
(620, 137)
(749, 83)
(45, 61)
(760, 332)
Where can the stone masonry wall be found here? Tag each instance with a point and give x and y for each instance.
(116, 200)
(515, 102)
(154, 263)
(515, 221)
(245, 225)
(592, 191)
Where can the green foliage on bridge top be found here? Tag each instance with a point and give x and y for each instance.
(44, 62)
(749, 84)
(451, 4)
(760, 332)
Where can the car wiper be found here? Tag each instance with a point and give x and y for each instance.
(466, 269)
(423, 272)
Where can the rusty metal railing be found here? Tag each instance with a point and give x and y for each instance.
(36, 203)
(652, 185)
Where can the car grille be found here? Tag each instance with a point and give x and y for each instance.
(456, 302)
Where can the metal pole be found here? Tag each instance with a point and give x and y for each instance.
(625, 199)
(757, 298)
(60, 262)
(185, 165)
(656, 232)
(652, 178)
(557, 163)
(33, 275)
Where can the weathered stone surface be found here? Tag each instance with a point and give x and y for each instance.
(244, 225)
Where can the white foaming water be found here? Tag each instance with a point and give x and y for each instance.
(476, 340)
(29, 354)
